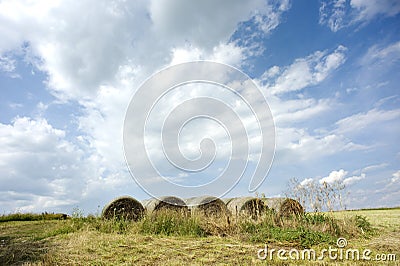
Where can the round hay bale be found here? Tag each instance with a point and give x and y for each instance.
(166, 203)
(246, 206)
(284, 206)
(208, 205)
(123, 208)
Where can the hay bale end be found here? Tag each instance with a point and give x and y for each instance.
(246, 206)
(284, 206)
(166, 203)
(208, 205)
(123, 208)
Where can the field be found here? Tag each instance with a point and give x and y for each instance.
(197, 241)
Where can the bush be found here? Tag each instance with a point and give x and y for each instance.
(363, 224)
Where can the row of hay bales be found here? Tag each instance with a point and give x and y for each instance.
(127, 207)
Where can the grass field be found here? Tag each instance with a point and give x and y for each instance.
(195, 241)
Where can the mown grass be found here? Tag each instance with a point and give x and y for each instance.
(171, 238)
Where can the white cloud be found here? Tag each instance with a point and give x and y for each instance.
(267, 21)
(15, 105)
(333, 14)
(360, 121)
(374, 167)
(41, 169)
(81, 54)
(353, 179)
(298, 110)
(395, 177)
(334, 176)
(382, 55)
(224, 53)
(338, 14)
(299, 145)
(202, 24)
(8, 66)
(306, 182)
(37, 160)
(369, 9)
(304, 72)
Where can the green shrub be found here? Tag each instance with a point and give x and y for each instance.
(362, 223)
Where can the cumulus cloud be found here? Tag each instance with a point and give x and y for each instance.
(335, 177)
(100, 61)
(80, 53)
(340, 177)
(353, 179)
(304, 72)
(36, 160)
(201, 23)
(306, 182)
(42, 168)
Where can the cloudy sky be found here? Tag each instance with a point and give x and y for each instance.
(68, 69)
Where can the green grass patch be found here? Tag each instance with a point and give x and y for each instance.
(172, 223)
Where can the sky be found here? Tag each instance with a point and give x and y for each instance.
(329, 71)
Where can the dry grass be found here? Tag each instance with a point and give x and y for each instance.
(117, 242)
(386, 223)
(133, 249)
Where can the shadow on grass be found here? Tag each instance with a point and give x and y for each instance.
(17, 251)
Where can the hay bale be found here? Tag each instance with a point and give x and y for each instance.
(284, 206)
(166, 203)
(123, 208)
(208, 205)
(246, 206)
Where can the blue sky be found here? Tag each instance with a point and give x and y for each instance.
(328, 69)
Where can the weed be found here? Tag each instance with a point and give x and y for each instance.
(362, 223)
